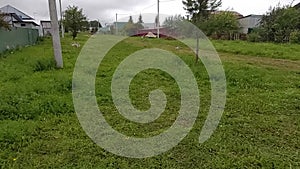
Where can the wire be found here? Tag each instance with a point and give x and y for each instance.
(148, 7)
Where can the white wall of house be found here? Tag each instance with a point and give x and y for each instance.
(25, 25)
(249, 22)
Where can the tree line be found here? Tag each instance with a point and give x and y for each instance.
(280, 24)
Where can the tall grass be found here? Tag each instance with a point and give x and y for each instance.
(260, 127)
(270, 50)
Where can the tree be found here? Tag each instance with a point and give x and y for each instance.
(75, 20)
(200, 10)
(95, 25)
(278, 24)
(222, 24)
(140, 19)
(139, 24)
(180, 27)
(130, 27)
(130, 20)
(3, 23)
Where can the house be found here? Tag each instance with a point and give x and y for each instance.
(163, 32)
(149, 25)
(119, 25)
(46, 28)
(248, 23)
(105, 30)
(17, 18)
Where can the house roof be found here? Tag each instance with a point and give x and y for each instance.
(46, 24)
(32, 22)
(251, 15)
(297, 6)
(12, 10)
(13, 17)
(236, 14)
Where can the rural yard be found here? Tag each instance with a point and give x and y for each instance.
(159, 84)
(260, 127)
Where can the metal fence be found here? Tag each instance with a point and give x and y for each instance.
(17, 37)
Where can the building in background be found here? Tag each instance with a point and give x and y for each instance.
(248, 23)
(46, 29)
(17, 18)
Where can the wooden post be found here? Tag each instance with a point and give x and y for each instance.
(55, 34)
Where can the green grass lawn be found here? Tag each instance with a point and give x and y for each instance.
(260, 127)
(269, 50)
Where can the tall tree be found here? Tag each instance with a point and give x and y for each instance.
(200, 10)
(139, 24)
(74, 20)
(130, 20)
(130, 27)
(140, 19)
(3, 23)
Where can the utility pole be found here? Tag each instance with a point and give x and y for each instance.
(116, 24)
(61, 21)
(158, 19)
(55, 34)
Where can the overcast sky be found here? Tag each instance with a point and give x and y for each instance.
(105, 10)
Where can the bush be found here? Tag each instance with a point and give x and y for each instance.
(254, 37)
(295, 37)
(44, 65)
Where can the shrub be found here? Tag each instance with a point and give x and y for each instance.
(254, 37)
(44, 65)
(295, 37)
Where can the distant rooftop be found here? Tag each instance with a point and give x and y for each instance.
(236, 14)
(297, 6)
(252, 15)
(12, 10)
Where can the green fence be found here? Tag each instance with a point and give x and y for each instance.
(17, 37)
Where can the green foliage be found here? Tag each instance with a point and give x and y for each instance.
(199, 10)
(140, 21)
(30, 84)
(75, 20)
(3, 23)
(221, 24)
(254, 37)
(259, 128)
(268, 50)
(131, 27)
(44, 65)
(295, 37)
(278, 24)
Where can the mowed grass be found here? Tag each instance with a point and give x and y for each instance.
(260, 127)
(269, 50)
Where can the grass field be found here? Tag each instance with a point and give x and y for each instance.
(260, 127)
